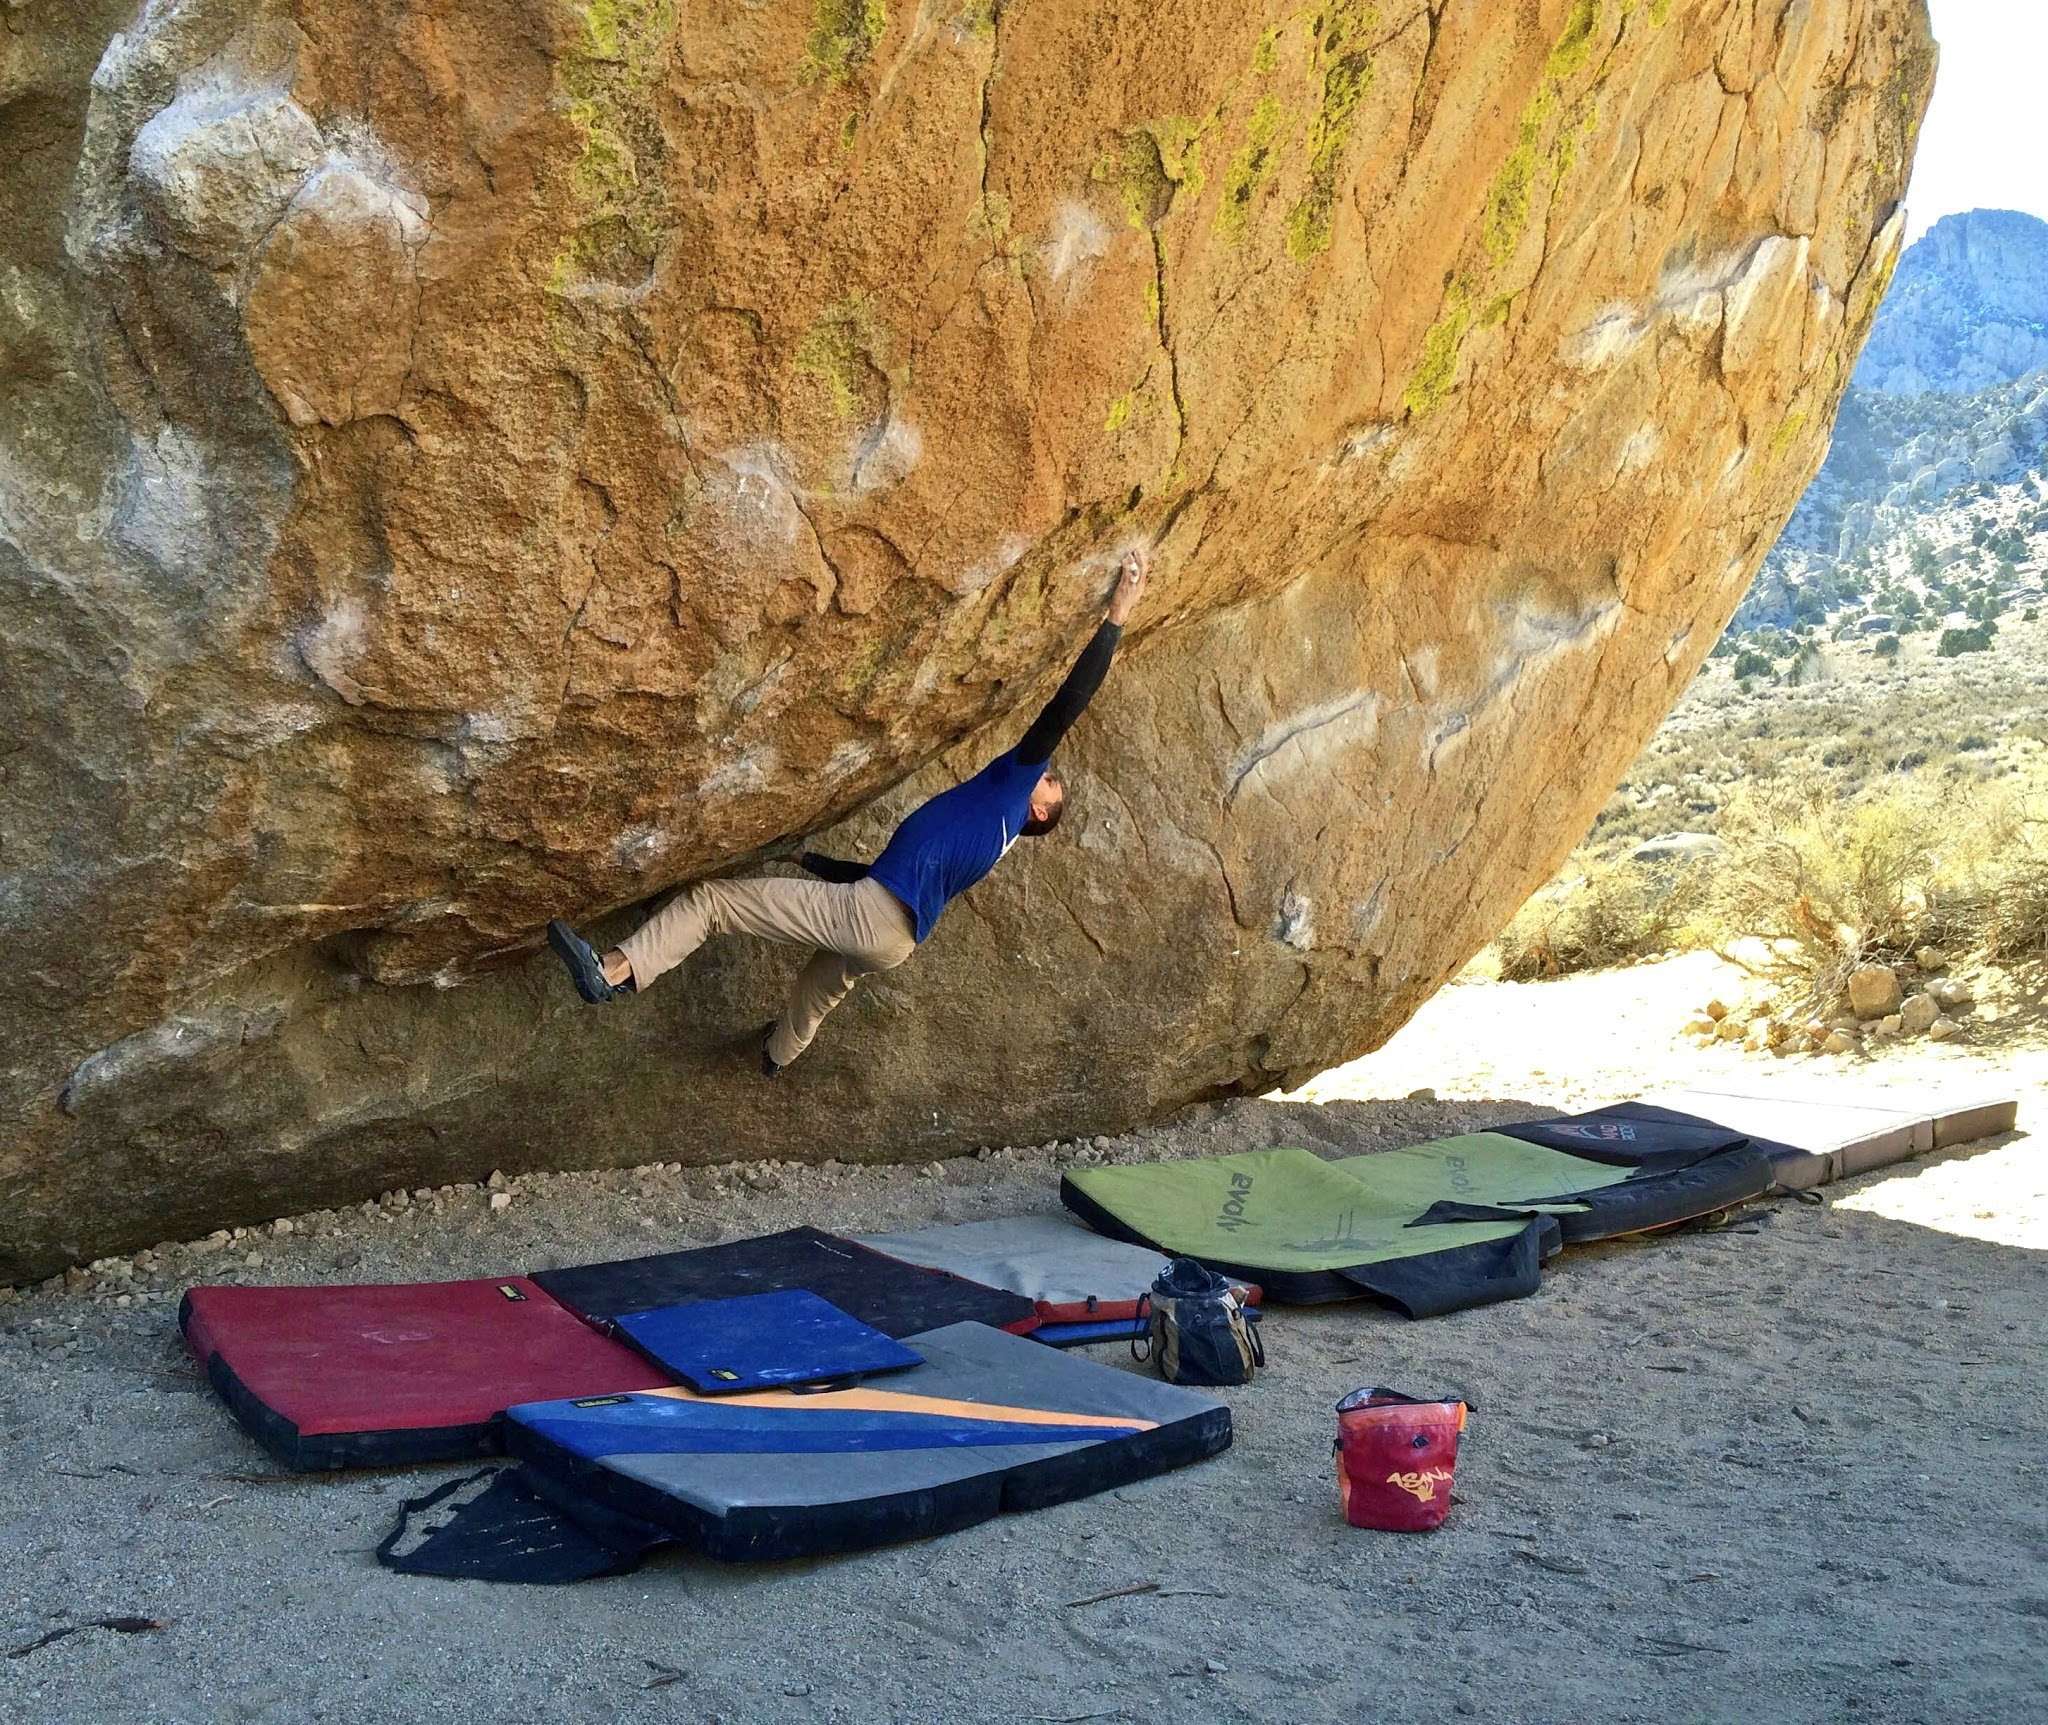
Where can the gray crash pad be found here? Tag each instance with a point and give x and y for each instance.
(1071, 1273)
(989, 1422)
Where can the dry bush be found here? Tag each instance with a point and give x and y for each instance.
(1829, 884)
(1833, 884)
(1996, 893)
(2015, 922)
(1862, 818)
(1614, 911)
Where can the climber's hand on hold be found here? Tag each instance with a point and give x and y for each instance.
(1131, 576)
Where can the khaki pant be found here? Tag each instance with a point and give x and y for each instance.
(856, 926)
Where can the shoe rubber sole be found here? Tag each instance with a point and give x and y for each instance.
(581, 959)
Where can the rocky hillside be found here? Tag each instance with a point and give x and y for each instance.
(466, 464)
(1934, 496)
(1967, 309)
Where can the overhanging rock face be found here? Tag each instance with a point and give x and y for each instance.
(466, 463)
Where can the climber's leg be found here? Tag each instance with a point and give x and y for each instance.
(796, 912)
(875, 933)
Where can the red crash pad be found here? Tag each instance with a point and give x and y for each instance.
(378, 1376)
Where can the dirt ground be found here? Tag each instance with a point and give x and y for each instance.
(1795, 1470)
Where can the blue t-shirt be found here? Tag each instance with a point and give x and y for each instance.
(944, 846)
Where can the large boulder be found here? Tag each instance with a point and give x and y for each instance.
(461, 464)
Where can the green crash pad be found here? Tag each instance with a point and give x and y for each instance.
(1307, 1230)
(1432, 1228)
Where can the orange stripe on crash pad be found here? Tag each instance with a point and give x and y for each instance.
(896, 1402)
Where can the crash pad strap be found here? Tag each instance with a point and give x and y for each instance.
(502, 1524)
(1482, 1273)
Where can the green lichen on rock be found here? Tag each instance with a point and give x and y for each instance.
(1137, 169)
(843, 35)
(1660, 12)
(1574, 45)
(628, 33)
(1119, 414)
(1787, 432)
(1582, 122)
(977, 19)
(1347, 75)
(990, 218)
(1249, 168)
(840, 349)
(1509, 197)
(1266, 56)
(607, 79)
(1180, 149)
(1439, 368)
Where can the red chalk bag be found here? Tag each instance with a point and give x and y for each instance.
(1395, 1459)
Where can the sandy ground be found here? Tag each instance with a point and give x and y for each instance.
(1789, 1471)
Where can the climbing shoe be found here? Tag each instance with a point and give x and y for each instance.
(770, 1066)
(585, 969)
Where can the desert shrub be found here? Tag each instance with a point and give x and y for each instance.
(1828, 886)
(1612, 912)
(1956, 642)
(1992, 890)
(1750, 664)
(2014, 920)
(1887, 647)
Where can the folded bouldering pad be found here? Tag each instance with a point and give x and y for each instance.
(1307, 1230)
(988, 1422)
(1071, 1274)
(1430, 1228)
(761, 1341)
(1592, 1199)
(892, 1296)
(1815, 1133)
(1631, 1135)
(330, 1377)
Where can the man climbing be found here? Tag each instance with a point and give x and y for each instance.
(865, 917)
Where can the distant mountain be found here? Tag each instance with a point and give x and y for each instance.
(1932, 506)
(1967, 309)
(1895, 459)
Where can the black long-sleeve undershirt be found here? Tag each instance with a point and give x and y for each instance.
(1034, 748)
(1037, 744)
(832, 868)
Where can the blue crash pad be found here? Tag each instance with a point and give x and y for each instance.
(761, 1341)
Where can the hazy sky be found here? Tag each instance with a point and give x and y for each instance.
(1982, 145)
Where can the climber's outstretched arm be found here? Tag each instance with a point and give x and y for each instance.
(1035, 747)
